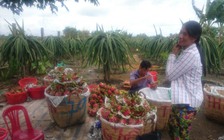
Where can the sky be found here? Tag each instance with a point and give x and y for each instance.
(132, 16)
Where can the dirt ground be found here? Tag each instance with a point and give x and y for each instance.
(202, 127)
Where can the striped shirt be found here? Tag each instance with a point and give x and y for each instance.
(185, 72)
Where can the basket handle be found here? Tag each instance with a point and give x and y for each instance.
(206, 86)
(152, 118)
(140, 92)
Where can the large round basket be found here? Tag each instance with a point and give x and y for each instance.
(161, 98)
(214, 102)
(114, 131)
(66, 111)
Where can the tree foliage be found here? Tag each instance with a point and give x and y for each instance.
(70, 32)
(212, 35)
(210, 15)
(215, 12)
(16, 6)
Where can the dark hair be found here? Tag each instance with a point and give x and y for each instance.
(145, 64)
(194, 30)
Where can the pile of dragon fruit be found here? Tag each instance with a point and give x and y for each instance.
(65, 82)
(97, 97)
(126, 108)
(118, 106)
(62, 74)
(66, 89)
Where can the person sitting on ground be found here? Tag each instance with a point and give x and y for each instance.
(141, 77)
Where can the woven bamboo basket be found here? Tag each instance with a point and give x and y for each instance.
(113, 131)
(213, 104)
(71, 110)
(163, 113)
(162, 103)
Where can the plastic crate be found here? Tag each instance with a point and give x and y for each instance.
(16, 98)
(37, 92)
(26, 81)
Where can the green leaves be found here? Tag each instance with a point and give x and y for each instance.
(22, 50)
(158, 47)
(215, 11)
(108, 50)
(16, 6)
(19, 50)
(221, 52)
(75, 47)
(212, 55)
(57, 47)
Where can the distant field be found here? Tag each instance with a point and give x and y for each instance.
(1, 40)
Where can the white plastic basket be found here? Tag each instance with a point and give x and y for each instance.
(161, 98)
(161, 94)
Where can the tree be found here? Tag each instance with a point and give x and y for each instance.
(16, 6)
(70, 32)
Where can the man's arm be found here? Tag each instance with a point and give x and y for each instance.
(135, 81)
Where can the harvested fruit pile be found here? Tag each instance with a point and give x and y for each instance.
(65, 83)
(16, 90)
(62, 74)
(62, 89)
(97, 96)
(118, 106)
(16, 95)
(126, 109)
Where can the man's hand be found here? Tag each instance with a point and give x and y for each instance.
(148, 76)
